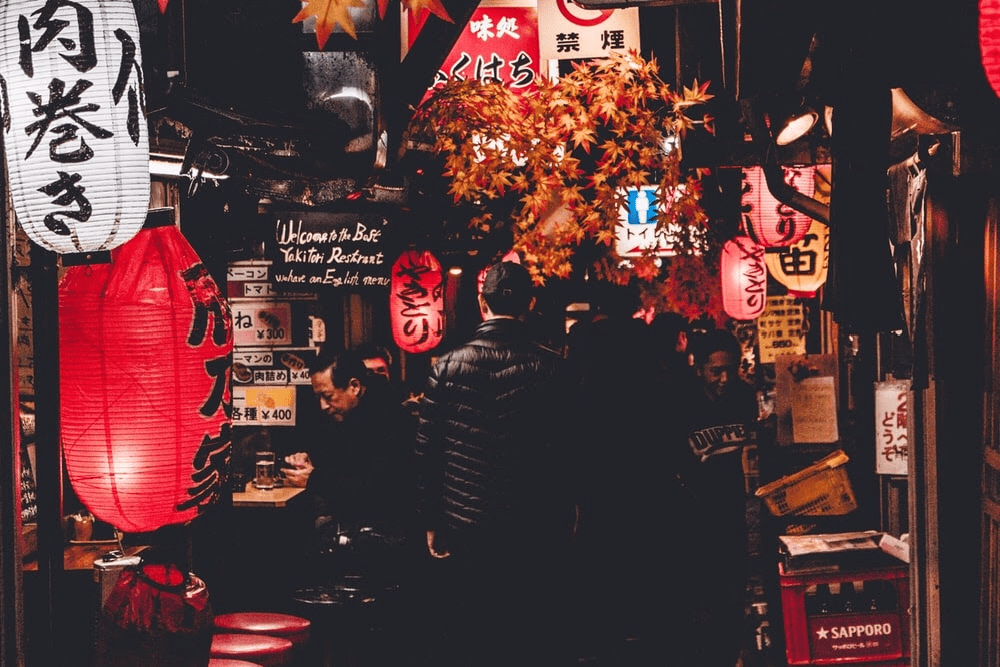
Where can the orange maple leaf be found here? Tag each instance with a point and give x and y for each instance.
(433, 6)
(329, 13)
(383, 5)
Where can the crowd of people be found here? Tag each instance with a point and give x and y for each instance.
(558, 505)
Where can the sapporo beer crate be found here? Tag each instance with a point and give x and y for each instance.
(822, 489)
(847, 617)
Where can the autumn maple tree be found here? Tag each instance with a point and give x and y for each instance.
(566, 152)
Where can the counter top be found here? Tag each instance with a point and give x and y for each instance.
(253, 497)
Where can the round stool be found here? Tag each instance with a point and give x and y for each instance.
(226, 662)
(293, 628)
(265, 650)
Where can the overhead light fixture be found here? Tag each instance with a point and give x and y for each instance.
(791, 120)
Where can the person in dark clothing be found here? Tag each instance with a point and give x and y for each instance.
(359, 502)
(718, 420)
(360, 472)
(618, 554)
(493, 493)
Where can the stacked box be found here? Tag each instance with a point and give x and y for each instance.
(847, 617)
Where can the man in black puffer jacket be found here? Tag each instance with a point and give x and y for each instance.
(493, 485)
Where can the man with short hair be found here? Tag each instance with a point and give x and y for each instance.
(359, 473)
(493, 495)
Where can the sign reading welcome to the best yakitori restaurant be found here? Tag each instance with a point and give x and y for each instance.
(315, 251)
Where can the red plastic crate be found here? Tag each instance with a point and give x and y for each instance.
(871, 637)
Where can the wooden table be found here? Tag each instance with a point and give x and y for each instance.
(276, 497)
(82, 556)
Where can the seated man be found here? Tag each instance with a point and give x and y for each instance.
(356, 472)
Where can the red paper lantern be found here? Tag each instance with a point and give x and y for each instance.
(416, 301)
(989, 41)
(768, 221)
(145, 353)
(744, 278)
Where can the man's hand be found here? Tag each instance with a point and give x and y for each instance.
(297, 469)
(430, 547)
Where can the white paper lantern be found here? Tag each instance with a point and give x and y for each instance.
(75, 134)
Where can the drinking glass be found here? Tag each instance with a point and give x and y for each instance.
(264, 471)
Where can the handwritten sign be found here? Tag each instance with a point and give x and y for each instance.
(814, 410)
(315, 251)
(891, 427)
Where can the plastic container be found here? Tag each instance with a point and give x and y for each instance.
(847, 617)
(822, 489)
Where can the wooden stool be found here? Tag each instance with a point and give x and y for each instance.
(265, 650)
(226, 662)
(293, 628)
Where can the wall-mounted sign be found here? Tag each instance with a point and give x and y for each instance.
(567, 31)
(891, 432)
(269, 366)
(314, 251)
(262, 323)
(637, 231)
(780, 328)
(499, 44)
(264, 406)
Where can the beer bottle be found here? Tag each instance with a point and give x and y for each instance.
(848, 597)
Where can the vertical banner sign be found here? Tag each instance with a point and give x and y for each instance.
(416, 302)
(498, 44)
(891, 432)
(74, 121)
(567, 31)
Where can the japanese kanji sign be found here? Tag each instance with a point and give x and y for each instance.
(74, 121)
(567, 31)
(498, 44)
(891, 432)
(781, 328)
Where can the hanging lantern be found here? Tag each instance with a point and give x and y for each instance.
(802, 267)
(744, 278)
(75, 133)
(768, 221)
(416, 301)
(989, 41)
(145, 353)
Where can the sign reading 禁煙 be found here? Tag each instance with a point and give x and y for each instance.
(313, 251)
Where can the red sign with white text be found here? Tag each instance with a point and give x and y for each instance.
(497, 44)
(855, 636)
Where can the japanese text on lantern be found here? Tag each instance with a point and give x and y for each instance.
(66, 111)
(416, 302)
(211, 326)
(891, 436)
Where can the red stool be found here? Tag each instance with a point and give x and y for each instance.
(226, 662)
(293, 628)
(265, 650)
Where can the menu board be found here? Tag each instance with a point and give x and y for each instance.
(313, 251)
